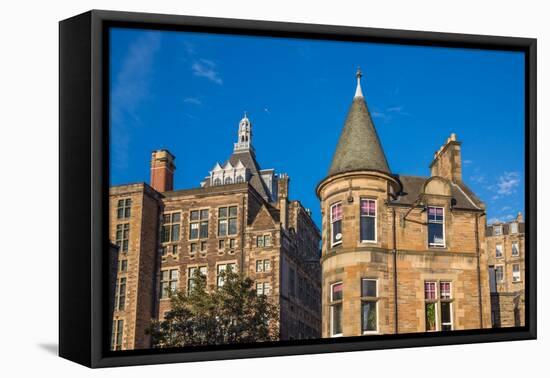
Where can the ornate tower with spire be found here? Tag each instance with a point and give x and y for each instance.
(244, 143)
(400, 254)
(242, 167)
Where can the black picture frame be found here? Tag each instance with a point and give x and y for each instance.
(84, 182)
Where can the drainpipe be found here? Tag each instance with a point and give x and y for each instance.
(479, 272)
(395, 272)
(243, 228)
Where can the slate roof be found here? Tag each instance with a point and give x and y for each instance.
(359, 147)
(249, 161)
(505, 228)
(412, 187)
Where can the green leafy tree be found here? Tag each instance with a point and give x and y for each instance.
(232, 313)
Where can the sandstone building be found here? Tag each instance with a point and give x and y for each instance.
(241, 217)
(506, 250)
(400, 253)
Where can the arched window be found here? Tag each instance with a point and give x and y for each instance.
(239, 179)
(228, 180)
(217, 181)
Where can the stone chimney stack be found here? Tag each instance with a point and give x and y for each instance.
(282, 186)
(162, 170)
(447, 161)
(519, 218)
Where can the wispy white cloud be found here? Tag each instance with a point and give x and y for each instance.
(506, 185)
(467, 162)
(501, 219)
(131, 87)
(478, 178)
(389, 113)
(207, 69)
(192, 100)
(380, 115)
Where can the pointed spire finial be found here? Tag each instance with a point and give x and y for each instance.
(358, 91)
(245, 114)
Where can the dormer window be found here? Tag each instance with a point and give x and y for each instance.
(497, 230)
(217, 181)
(239, 179)
(514, 228)
(228, 180)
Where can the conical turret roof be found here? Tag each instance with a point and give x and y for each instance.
(359, 147)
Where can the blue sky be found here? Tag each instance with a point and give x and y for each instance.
(188, 91)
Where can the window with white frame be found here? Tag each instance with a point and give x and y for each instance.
(499, 273)
(122, 236)
(120, 294)
(263, 288)
(263, 241)
(336, 308)
(515, 248)
(514, 228)
(191, 275)
(170, 228)
(336, 215)
(124, 207)
(369, 305)
(445, 298)
(436, 227)
(438, 308)
(227, 221)
(220, 278)
(368, 220)
(198, 224)
(168, 282)
(498, 250)
(430, 296)
(263, 266)
(497, 230)
(516, 273)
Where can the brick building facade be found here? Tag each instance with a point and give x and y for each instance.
(506, 250)
(241, 217)
(400, 253)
